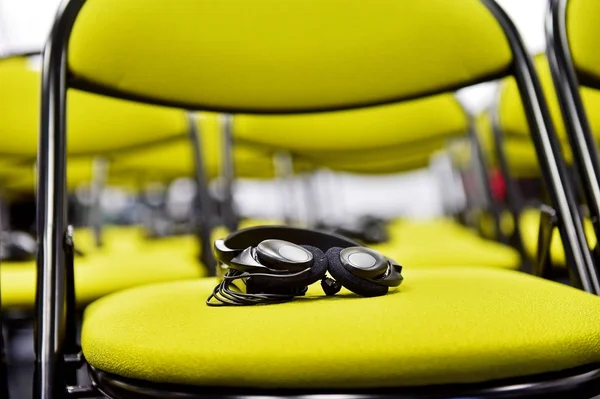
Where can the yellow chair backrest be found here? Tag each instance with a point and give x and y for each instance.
(296, 55)
(583, 31)
(362, 130)
(96, 124)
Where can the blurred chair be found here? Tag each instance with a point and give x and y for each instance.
(385, 139)
(467, 331)
(175, 160)
(515, 155)
(571, 33)
(100, 126)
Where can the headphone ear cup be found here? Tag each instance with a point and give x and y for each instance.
(283, 285)
(355, 284)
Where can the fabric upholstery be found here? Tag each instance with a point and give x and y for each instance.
(373, 128)
(530, 224)
(95, 123)
(582, 33)
(442, 243)
(297, 56)
(457, 325)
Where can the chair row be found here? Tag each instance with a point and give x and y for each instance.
(375, 106)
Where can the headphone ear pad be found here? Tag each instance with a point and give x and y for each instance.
(292, 284)
(355, 284)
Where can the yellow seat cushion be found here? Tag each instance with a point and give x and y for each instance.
(457, 325)
(115, 239)
(378, 127)
(103, 272)
(387, 159)
(288, 58)
(95, 123)
(530, 224)
(444, 243)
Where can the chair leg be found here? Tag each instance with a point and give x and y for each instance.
(99, 177)
(542, 266)
(3, 368)
(230, 217)
(205, 210)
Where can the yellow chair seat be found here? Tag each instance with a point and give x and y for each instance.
(458, 325)
(444, 243)
(530, 224)
(99, 274)
(115, 239)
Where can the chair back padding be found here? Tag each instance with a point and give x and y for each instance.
(96, 123)
(292, 56)
(583, 31)
(391, 159)
(175, 159)
(21, 178)
(373, 128)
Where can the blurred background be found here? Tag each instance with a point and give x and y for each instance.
(24, 25)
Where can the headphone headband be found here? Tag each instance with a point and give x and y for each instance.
(228, 248)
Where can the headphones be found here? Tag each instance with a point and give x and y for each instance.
(274, 264)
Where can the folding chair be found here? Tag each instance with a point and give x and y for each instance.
(385, 139)
(516, 157)
(570, 34)
(117, 125)
(464, 331)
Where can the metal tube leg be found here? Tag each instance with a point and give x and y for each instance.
(483, 170)
(230, 217)
(4, 391)
(542, 264)
(99, 177)
(514, 198)
(205, 211)
(284, 172)
(48, 381)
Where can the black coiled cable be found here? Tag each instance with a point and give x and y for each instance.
(226, 293)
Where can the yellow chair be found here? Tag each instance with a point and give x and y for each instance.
(174, 159)
(100, 126)
(519, 151)
(571, 33)
(388, 138)
(466, 331)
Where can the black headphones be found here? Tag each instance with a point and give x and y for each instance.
(274, 264)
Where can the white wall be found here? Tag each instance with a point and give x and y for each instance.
(24, 24)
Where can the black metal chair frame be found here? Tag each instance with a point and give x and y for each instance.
(493, 206)
(566, 83)
(58, 357)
